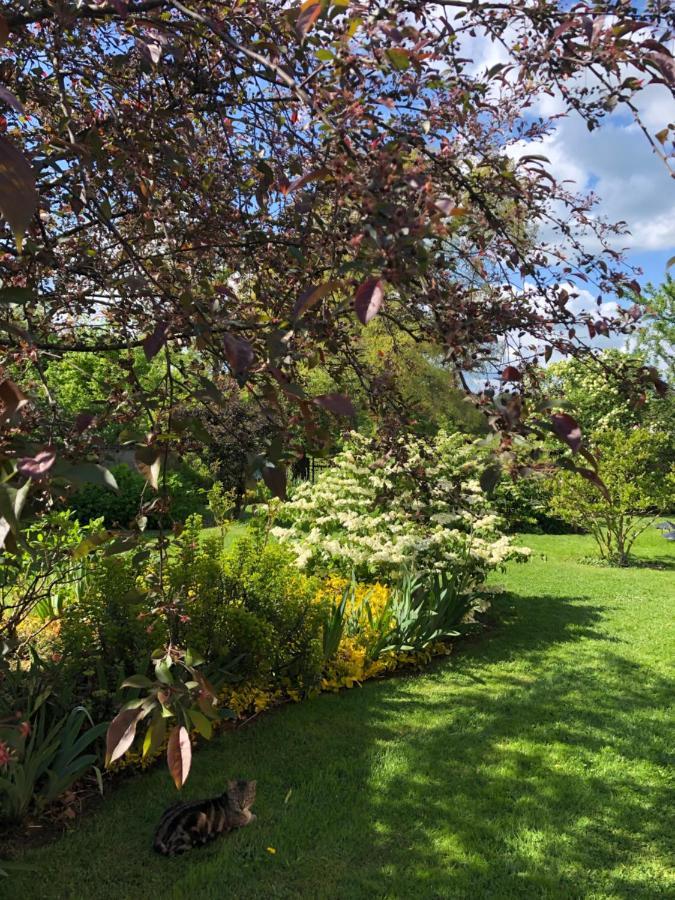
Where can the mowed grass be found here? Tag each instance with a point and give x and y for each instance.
(532, 763)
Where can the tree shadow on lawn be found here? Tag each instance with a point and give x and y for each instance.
(527, 765)
(547, 781)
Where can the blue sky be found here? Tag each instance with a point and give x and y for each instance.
(616, 162)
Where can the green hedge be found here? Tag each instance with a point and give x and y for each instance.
(119, 509)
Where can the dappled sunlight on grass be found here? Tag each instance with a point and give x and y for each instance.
(531, 763)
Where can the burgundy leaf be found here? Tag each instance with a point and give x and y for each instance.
(595, 479)
(121, 733)
(12, 398)
(567, 429)
(275, 479)
(37, 466)
(179, 755)
(510, 373)
(306, 179)
(368, 299)
(311, 297)
(154, 342)
(18, 194)
(336, 403)
(83, 421)
(309, 13)
(239, 353)
(11, 101)
(148, 463)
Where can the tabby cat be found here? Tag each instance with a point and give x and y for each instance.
(187, 825)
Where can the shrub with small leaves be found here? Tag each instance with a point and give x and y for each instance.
(418, 506)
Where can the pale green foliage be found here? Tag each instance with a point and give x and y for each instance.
(44, 575)
(636, 467)
(420, 507)
(599, 393)
(221, 503)
(657, 336)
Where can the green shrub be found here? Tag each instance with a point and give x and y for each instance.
(119, 509)
(40, 579)
(248, 603)
(635, 479)
(103, 636)
(524, 505)
(264, 579)
(45, 745)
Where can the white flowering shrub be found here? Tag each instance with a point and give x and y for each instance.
(418, 506)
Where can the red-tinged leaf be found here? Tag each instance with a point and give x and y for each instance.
(148, 463)
(510, 373)
(121, 733)
(179, 755)
(562, 28)
(299, 183)
(275, 479)
(548, 353)
(18, 193)
(37, 466)
(660, 386)
(8, 98)
(665, 63)
(339, 404)
(311, 297)
(309, 13)
(591, 329)
(368, 299)
(12, 398)
(671, 262)
(662, 136)
(238, 353)
(568, 429)
(83, 421)
(595, 479)
(154, 342)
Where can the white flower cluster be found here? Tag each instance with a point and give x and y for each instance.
(421, 507)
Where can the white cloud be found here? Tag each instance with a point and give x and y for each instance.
(615, 161)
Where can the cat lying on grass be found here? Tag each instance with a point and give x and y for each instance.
(187, 825)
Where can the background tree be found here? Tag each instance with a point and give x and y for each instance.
(656, 337)
(600, 392)
(638, 478)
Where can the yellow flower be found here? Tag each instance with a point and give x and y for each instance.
(271, 850)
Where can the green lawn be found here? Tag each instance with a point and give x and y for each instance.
(533, 763)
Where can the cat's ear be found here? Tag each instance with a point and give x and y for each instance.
(232, 785)
(253, 785)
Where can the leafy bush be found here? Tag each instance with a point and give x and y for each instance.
(524, 505)
(102, 637)
(222, 502)
(40, 578)
(419, 507)
(261, 579)
(186, 489)
(43, 749)
(40, 759)
(635, 480)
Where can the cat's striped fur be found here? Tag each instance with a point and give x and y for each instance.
(187, 825)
